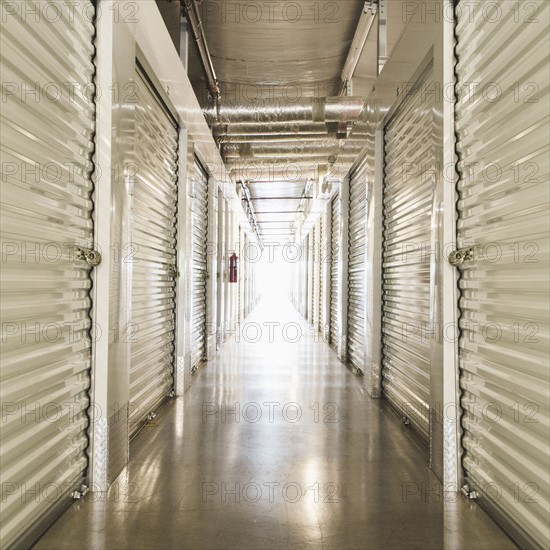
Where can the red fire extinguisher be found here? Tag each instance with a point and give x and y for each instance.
(233, 268)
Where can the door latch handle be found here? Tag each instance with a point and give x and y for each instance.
(92, 257)
(461, 255)
(173, 271)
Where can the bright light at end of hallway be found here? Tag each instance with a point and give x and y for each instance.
(274, 273)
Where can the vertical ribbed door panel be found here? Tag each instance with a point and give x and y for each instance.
(504, 215)
(46, 212)
(312, 266)
(408, 204)
(200, 237)
(154, 207)
(322, 260)
(356, 271)
(304, 277)
(247, 280)
(334, 249)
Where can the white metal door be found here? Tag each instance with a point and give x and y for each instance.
(408, 205)
(46, 214)
(154, 206)
(356, 271)
(334, 249)
(504, 215)
(200, 236)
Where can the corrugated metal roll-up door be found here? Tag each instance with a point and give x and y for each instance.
(312, 267)
(200, 236)
(356, 271)
(247, 271)
(504, 215)
(334, 249)
(240, 277)
(408, 204)
(322, 262)
(304, 277)
(154, 206)
(244, 270)
(46, 213)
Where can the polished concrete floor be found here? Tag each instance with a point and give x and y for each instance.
(308, 461)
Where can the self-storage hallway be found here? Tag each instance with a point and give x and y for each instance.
(275, 275)
(276, 446)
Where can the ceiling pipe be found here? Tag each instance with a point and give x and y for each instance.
(288, 173)
(292, 172)
(329, 109)
(292, 146)
(359, 40)
(274, 175)
(276, 128)
(191, 11)
(273, 138)
(292, 154)
(289, 161)
(284, 149)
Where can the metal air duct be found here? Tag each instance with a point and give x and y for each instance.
(326, 110)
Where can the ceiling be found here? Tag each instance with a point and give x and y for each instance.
(264, 50)
(281, 54)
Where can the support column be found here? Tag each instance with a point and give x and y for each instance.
(109, 435)
(451, 391)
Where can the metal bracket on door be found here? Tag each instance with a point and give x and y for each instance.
(468, 493)
(80, 493)
(89, 255)
(461, 255)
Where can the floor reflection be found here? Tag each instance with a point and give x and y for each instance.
(276, 445)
